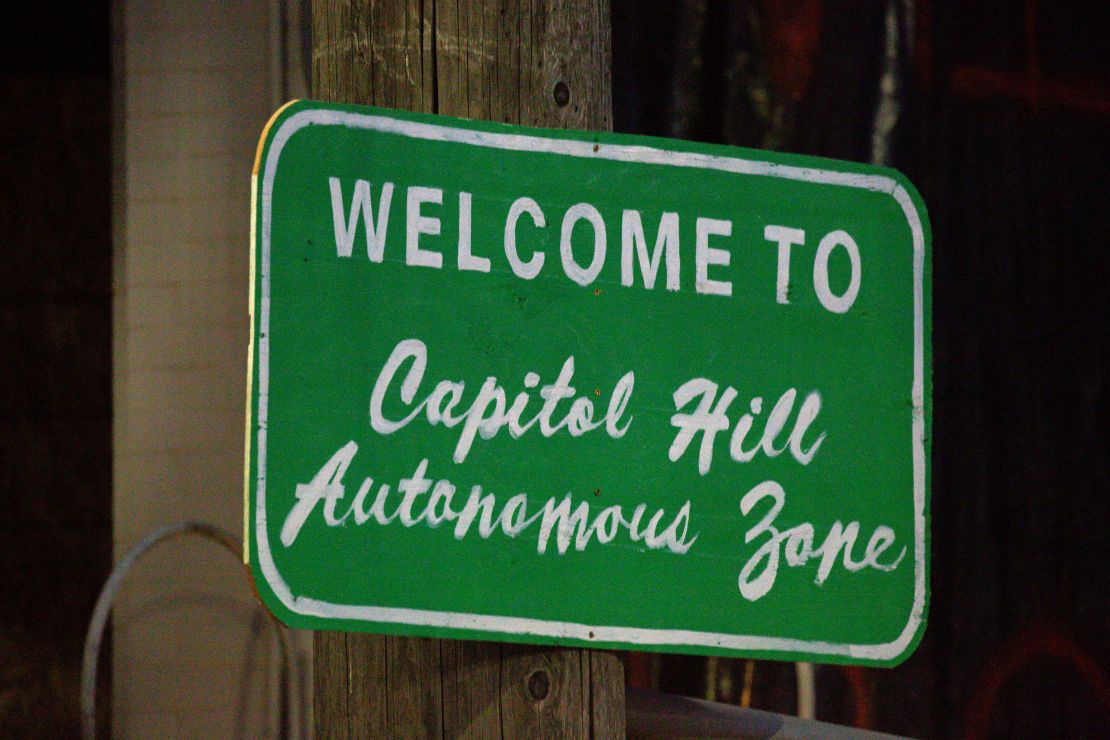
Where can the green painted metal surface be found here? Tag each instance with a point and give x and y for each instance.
(592, 389)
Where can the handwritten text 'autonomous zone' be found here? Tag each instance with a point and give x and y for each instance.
(491, 411)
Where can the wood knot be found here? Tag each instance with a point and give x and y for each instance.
(561, 93)
(539, 684)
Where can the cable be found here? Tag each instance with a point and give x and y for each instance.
(749, 679)
(807, 690)
(112, 586)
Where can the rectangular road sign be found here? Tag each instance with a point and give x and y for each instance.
(586, 389)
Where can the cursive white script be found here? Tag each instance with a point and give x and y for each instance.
(567, 521)
(490, 410)
(760, 571)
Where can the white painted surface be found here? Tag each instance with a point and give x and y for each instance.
(193, 89)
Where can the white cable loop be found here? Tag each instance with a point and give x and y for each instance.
(104, 606)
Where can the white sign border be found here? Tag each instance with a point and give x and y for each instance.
(618, 152)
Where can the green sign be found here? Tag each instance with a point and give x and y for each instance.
(586, 389)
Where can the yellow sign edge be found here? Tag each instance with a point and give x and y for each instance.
(250, 339)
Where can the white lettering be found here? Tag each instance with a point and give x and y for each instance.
(360, 203)
(527, 270)
(467, 260)
(559, 516)
(704, 256)
(577, 212)
(489, 412)
(417, 224)
(759, 572)
(706, 418)
(409, 348)
(709, 419)
(785, 237)
(666, 242)
(841, 303)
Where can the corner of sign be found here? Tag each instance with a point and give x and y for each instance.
(904, 187)
(266, 133)
(914, 641)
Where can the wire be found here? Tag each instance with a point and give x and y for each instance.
(807, 690)
(749, 679)
(103, 608)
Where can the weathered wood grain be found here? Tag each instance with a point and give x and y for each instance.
(499, 60)
(414, 700)
(329, 705)
(471, 688)
(355, 701)
(532, 62)
(544, 693)
(607, 709)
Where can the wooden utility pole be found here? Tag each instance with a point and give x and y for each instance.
(531, 62)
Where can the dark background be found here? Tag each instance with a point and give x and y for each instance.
(1003, 126)
(1003, 112)
(55, 354)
